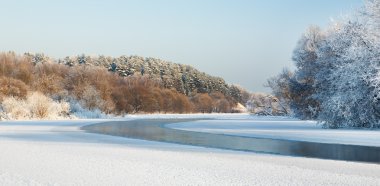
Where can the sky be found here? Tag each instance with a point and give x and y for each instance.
(243, 41)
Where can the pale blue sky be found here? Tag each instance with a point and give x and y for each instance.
(243, 41)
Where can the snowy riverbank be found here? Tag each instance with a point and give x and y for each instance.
(58, 153)
(282, 128)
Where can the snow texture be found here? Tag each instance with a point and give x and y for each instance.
(283, 128)
(58, 153)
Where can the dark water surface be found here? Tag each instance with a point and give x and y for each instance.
(155, 130)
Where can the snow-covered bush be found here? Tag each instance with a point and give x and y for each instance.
(78, 111)
(43, 107)
(12, 87)
(91, 98)
(35, 106)
(266, 104)
(16, 108)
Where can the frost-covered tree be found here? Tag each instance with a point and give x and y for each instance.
(337, 79)
(266, 104)
(81, 59)
(344, 93)
(280, 86)
(346, 80)
(301, 86)
(37, 57)
(296, 89)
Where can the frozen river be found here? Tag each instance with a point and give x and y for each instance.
(187, 131)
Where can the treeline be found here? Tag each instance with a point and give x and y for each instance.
(183, 78)
(94, 88)
(337, 79)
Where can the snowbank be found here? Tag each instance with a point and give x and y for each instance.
(216, 116)
(283, 128)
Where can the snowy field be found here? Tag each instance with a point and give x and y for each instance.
(58, 153)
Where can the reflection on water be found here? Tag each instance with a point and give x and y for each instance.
(155, 130)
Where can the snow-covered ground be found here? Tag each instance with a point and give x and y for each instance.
(282, 128)
(58, 153)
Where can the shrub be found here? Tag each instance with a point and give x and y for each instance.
(16, 108)
(12, 87)
(17, 67)
(203, 103)
(35, 106)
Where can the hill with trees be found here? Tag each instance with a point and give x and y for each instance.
(36, 86)
(183, 78)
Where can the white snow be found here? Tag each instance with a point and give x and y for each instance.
(282, 128)
(58, 153)
(192, 116)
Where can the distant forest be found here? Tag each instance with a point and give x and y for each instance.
(36, 86)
